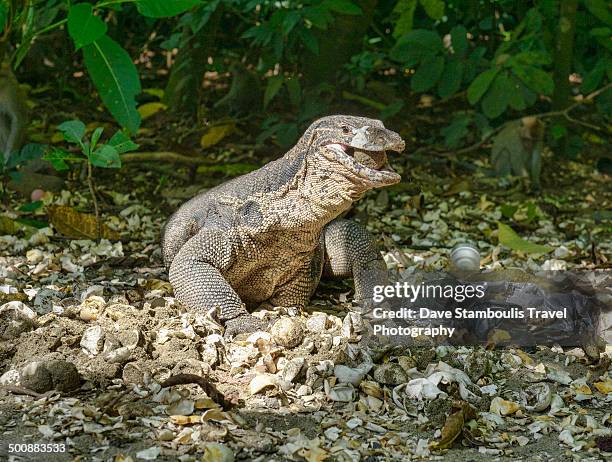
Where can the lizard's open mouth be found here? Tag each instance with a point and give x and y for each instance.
(374, 160)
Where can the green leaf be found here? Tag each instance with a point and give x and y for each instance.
(508, 237)
(459, 40)
(116, 79)
(122, 143)
(342, 6)
(3, 15)
(450, 82)
(428, 74)
(600, 9)
(73, 130)
(416, 46)
(165, 8)
(535, 78)
(318, 16)
(594, 77)
(105, 156)
(274, 85)
(497, 97)
(31, 207)
(433, 8)
(83, 26)
(58, 158)
(529, 58)
(95, 137)
(405, 10)
(558, 131)
(391, 109)
(310, 41)
(515, 99)
(294, 89)
(456, 131)
(480, 85)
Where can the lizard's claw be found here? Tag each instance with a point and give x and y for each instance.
(245, 323)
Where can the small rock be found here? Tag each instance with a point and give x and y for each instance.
(217, 452)
(561, 252)
(390, 374)
(293, 369)
(97, 291)
(15, 319)
(287, 332)
(261, 382)
(10, 377)
(317, 322)
(42, 376)
(34, 256)
(134, 373)
(303, 390)
(351, 375)
(119, 356)
(93, 340)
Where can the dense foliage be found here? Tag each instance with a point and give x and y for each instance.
(492, 61)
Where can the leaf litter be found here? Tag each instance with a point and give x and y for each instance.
(95, 352)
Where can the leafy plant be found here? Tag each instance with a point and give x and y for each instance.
(91, 151)
(108, 64)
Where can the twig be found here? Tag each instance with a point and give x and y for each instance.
(16, 390)
(95, 200)
(212, 392)
(542, 115)
(164, 156)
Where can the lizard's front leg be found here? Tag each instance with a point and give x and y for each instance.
(350, 251)
(195, 275)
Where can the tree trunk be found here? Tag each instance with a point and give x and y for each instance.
(564, 53)
(337, 44)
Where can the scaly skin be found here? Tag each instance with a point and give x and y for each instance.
(270, 235)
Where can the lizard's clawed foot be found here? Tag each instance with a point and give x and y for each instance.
(245, 323)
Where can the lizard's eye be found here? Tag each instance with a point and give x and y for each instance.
(346, 130)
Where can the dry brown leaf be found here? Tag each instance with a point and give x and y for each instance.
(78, 225)
(451, 430)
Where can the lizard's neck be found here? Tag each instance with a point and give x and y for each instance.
(319, 191)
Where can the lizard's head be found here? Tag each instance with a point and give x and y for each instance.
(360, 145)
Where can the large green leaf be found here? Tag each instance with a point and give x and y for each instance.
(535, 78)
(122, 143)
(450, 82)
(116, 79)
(600, 9)
(165, 8)
(459, 40)
(309, 40)
(73, 130)
(480, 85)
(105, 156)
(58, 158)
(3, 15)
(433, 8)
(417, 45)
(83, 26)
(405, 10)
(497, 97)
(342, 6)
(274, 85)
(515, 99)
(532, 57)
(428, 74)
(508, 237)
